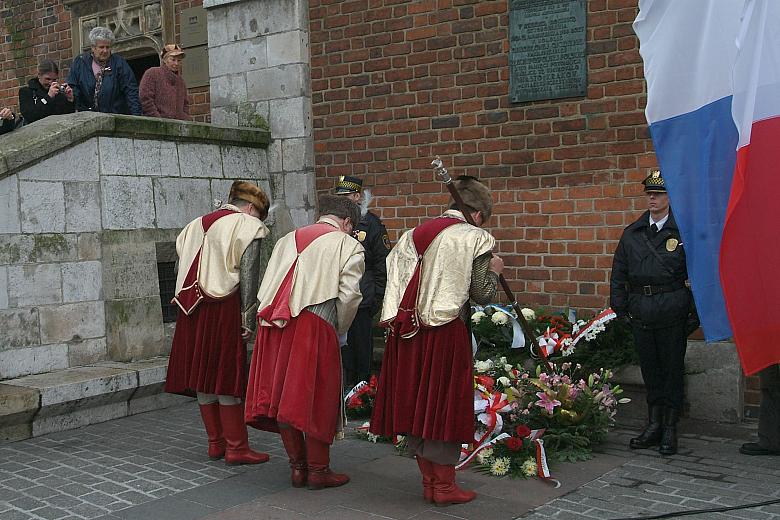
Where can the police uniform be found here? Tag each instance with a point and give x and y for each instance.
(371, 233)
(648, 288)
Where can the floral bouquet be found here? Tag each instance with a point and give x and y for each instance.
(359, 402)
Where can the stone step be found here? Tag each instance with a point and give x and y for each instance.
(65, 399)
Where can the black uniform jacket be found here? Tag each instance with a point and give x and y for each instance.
(372, 234)
(639, 276)
(35, 103)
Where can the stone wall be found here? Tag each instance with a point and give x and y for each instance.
(86, 202)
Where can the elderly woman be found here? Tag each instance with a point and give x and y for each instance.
(103, 81)
(163, 91)
(44, 96)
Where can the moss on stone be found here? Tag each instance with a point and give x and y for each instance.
(248, 116)
(48, 245)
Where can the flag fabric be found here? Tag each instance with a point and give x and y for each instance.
(696, 77)
(750, 248)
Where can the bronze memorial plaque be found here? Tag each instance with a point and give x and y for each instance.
(547, 52)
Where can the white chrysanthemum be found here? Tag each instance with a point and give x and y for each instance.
(483, 366)
(529, 468)
(371, 437)
(528, 314)
(504, 381)
(484, 455)
(500, 466)
(499, 318)
(477, 316)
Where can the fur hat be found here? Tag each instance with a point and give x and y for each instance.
(475, 195)
(340, 207)
(249, 192)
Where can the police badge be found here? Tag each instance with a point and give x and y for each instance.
(361, 235)
(671, 244)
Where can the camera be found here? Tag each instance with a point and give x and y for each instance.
(63, 86)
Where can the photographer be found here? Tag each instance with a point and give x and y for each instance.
(44, 96)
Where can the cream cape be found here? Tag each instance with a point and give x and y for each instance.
(446, 271)
(223, 247)
(329, 268)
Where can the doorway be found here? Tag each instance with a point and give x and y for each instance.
(143, 63)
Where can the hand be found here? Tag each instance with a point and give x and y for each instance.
(54, 89)
(5, 113)
(496, 264)
(68, 93)
(246, 334)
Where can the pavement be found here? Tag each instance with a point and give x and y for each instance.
(153, 466)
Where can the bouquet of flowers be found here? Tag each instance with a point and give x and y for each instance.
(359, 402)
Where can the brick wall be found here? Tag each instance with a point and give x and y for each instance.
(397, 82)
(36, 29)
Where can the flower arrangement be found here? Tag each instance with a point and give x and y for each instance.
(359, 402)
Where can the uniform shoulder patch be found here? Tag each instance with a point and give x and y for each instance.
(386, 241)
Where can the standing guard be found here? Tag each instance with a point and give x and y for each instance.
(216, 288)
(371, 233)
(648, 288)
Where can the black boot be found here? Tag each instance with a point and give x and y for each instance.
(651, 436)
(669, 433)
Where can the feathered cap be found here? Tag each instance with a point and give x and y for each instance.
(654, 182)
(251, 193)
(475, 195)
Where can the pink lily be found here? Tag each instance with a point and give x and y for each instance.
(546, 403)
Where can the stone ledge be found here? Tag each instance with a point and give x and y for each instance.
(32, 143)
(35, 405)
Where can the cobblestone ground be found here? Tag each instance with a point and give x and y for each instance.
(153, 466)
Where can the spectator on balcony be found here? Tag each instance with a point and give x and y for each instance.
(44, 95)
(163, 91)
(103, 81)
(8, 119)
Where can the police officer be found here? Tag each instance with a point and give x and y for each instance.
(648, 288)
(371, 233)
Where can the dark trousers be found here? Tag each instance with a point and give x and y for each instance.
(769, 416)
(356, 356)
(662, 360)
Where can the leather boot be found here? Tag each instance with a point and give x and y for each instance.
(236, 437)
(296, 451)
(651, 435)
(318, 460)
(669, 432)
(445, 490)
(210, 415)
(426, 468)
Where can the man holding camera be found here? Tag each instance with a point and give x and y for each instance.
(44, 95)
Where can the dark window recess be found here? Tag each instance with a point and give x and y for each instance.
(166, 272)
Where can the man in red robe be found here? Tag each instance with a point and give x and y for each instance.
(426, 387)
(216, 287)
(308, 297)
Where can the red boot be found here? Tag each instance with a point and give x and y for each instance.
(320, 475)
(210, 415)
(296, 450)
(426, 468)
(236, 437)
(445, 490)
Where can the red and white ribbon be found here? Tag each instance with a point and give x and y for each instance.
(601, 318)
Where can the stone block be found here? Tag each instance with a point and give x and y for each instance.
(129, 268)
(38, 248)
(155, 401)
(72, 322)
(225, 116)
(277, 185)
(291, 118)
(299, 190)
(297, 154)
(3, 288)
(42, 205)
(134, 329)
(713, 382)
(82, 206)
(244, 163)
(87, 352)
(156, 158)
(18, 405)
(216, 20)
(284, 81)
(32, 360)
(228, 90)
(274, 154)
(88, 246)
(19, 328)
(252, 18)
(254, 114)
(62, 390)
(117, 156)
(128, 202)
(288, 47)
(220, 189)
(200, 160)
(76, 163)
(78, 418)
(9, 205)
(30, 285)
(82, 281)
(302, 217)
(236, 57)
(178, 201)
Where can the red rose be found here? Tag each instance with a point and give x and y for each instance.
(523, 431)
(514, 444)
(354, 402)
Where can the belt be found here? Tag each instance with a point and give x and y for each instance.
(649, 290)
